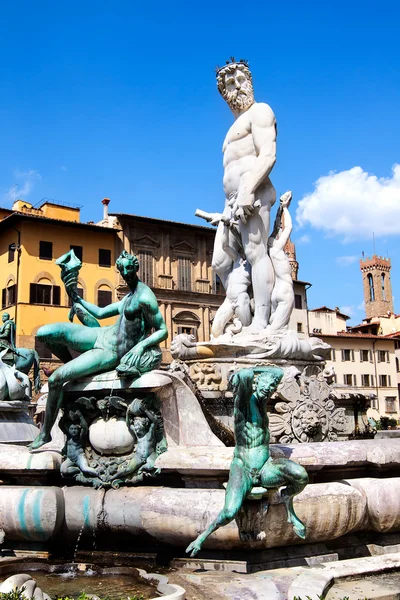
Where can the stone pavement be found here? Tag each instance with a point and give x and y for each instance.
(375, 577)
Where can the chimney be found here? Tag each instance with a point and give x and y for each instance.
(105, 202)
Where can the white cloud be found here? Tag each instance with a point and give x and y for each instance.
(353, 204)
(348, 310)
(304, 239)
(27, 180)
(361, 306)
(345, 261)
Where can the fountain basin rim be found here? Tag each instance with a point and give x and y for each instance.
(167, 591)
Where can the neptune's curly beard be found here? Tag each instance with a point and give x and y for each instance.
(240, 99)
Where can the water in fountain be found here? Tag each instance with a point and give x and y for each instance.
(76, 546)
(113, 585)
(111, 393)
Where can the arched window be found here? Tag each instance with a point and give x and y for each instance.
(383, 287)
(104, 296)
(186, 322)
(43, 292)
(9, 294)
(371, 287)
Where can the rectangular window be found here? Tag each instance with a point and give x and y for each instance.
(11, 252)
(365, 356)
(104, 298)
(390, 404)
(383, 380)
(184, 273)
(104, 257)
(46, 250)
(78, 251)
(347, 355)
(299, 327)
(298, 303)
(383, 356)
(333, 354)
(146, 267)
(348, 379)
(366, 380)
(44, 294)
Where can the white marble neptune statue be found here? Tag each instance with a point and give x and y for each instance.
(251, 263)
(249, 156)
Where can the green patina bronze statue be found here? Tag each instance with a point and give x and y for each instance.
(7, 333)
(252, 465)
(131, 346)
(74, 425)
(22, 358)
(144, 421)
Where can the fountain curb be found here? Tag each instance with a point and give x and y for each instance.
(170, 591)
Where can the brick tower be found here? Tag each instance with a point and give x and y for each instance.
(377, 286)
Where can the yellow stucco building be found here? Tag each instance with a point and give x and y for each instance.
(31, 239)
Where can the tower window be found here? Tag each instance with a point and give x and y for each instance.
(383, 287)
(371, 287)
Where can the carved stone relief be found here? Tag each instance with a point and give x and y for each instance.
(306, 411)
(207, 376)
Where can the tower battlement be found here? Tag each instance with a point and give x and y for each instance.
(375, 262)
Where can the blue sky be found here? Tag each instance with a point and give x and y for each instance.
(119, 100)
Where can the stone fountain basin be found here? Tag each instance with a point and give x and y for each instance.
(105, 580)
